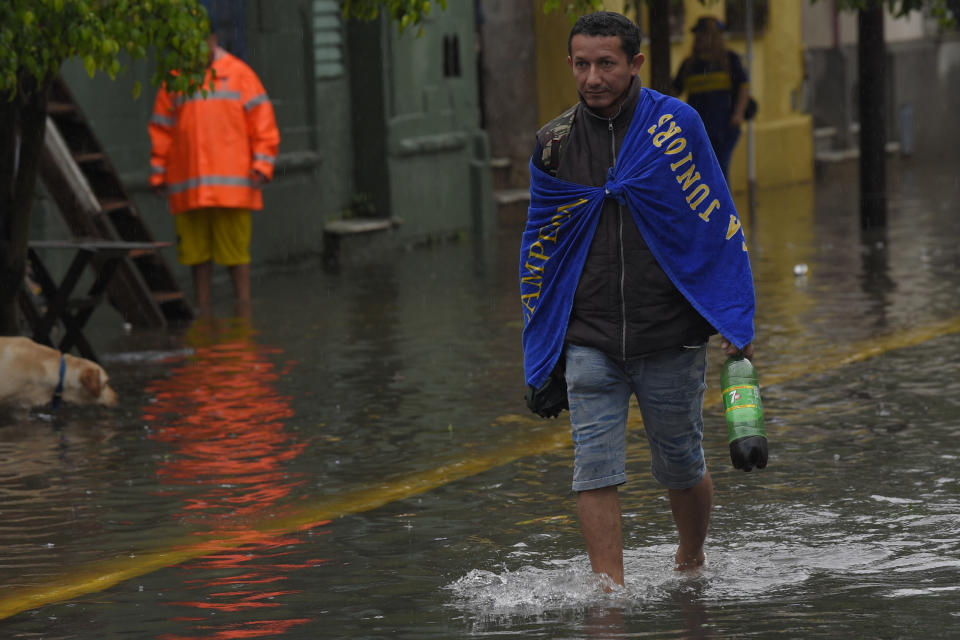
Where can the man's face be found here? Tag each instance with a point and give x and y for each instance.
(602, 71)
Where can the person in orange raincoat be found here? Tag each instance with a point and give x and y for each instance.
(210, 156)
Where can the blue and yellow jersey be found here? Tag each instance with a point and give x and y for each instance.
(711, 87)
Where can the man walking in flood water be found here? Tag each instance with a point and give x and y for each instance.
(632, 256)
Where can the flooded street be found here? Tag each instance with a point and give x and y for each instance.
(356, 459)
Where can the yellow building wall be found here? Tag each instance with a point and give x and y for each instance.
(783, 136)
(555, 88)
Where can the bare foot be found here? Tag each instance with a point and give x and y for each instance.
(690, 564)
(608, 584)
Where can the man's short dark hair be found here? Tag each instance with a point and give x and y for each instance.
(608, 23)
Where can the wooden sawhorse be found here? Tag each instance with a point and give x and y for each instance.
(104, 256)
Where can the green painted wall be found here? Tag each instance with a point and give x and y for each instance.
(377, 106)
(313, 178)
(420, 151)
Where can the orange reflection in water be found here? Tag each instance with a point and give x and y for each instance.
(258, 629)
(228, 457)
(225, 421)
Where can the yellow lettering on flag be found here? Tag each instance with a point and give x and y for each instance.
(663, 120)
(713, 205)
(676, 146)
(565, 208)
(703, 190)
(733, 227)
(663, 136)
(679, 163)
(689, 177)
(537, 255)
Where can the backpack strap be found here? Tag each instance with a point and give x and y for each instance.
(556, 134)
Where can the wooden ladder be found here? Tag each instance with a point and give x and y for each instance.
(94, 204)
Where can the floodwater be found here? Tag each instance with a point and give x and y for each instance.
(355, 460)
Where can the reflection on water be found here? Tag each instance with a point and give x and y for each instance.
(224, 422)
(227, 463)
(355, 460)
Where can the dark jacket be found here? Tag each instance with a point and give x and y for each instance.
(625, 305)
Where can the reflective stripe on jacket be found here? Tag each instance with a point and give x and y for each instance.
(205, 150)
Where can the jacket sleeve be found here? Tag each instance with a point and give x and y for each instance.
(738, 75)
(261, 127)
(160, 129)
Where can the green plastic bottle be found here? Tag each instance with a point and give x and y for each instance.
(743, 409)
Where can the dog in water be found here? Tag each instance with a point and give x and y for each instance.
(30, 374)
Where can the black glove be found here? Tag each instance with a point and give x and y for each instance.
(747, 453)
(551, 398)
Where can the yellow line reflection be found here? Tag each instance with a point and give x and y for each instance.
(543, 438)
(101, 575)
(860, 351)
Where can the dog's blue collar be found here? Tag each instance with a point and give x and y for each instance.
(58, 392)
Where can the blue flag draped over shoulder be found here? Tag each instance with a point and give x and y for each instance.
(668, 177)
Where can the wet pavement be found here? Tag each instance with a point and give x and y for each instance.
(355, 459)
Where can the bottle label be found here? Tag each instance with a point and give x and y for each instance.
(744, 412)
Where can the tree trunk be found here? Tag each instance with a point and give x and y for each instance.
(871, 66)
(22, 127)
(659, 14)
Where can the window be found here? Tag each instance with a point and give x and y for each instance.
(641, 9)
(327, 39)
(451, 56)
(736, 17)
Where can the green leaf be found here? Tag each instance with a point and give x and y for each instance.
(136, 89)
(90, 65)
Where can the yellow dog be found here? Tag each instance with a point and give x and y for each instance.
(31, 375)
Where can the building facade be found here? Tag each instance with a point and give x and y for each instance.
(776, 79)
(373, 122)
(419, 127)
(922, 83)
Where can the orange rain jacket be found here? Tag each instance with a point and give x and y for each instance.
(205, 150)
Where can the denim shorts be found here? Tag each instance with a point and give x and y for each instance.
(669, 387)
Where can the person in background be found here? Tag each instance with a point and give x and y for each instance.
(211, 156)
(717, 86)
(628, 205)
